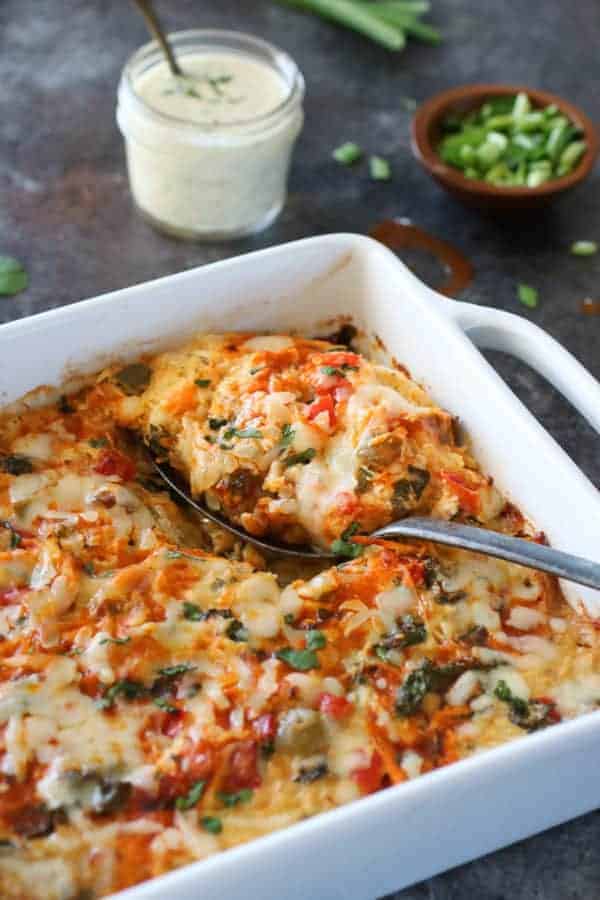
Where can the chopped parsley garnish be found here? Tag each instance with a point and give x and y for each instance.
(15, 537)
(427, 677)
(241, 433)
(214, 424)
(212, 824)
(300, 459)
(302, 660)
(229, 800)
(411, 631)
(189, 800)
(134, 379)
(287, 436)
(407, 491)
(165, 705)
(236, 632)
(96, 443)
(181, 554)
(112, 640)
(202, 382)
(16, 464)
(176, 670)
(339, 371)
(194, 613)
(315, 640)
(343, 546)
(308, 774)
(289, 618)
(364, 479)
(129, 690)
(530, 715)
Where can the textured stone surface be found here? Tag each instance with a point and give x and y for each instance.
(65, 211)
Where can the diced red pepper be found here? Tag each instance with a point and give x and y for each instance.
(112, 462)
(342, 358)
(369, 778)
(323, 403)
(553, 714)
(468, 497)
(172, 723)
(334, 706)
(243, 766)
(201, 762)
(265, 727)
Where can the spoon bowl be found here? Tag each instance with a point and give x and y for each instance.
(467, 537)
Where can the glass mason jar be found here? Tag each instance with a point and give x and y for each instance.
(213, 179)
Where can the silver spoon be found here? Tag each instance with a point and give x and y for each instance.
(157, 32)
(467, 537)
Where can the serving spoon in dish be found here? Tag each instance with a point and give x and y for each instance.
(467, 537)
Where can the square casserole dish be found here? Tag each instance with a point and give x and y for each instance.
(409, 832)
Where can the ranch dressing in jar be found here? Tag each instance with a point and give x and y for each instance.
(208, 152)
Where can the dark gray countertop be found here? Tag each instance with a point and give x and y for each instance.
(66, 212)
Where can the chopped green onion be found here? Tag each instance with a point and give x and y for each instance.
(212, 824)
(302, 660)
(379, 168)
(584, 248)
(347, 153)
(528, 295)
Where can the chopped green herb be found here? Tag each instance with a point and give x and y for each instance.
(343, 546)
(407, 491)
(15, 537)
(176, 670)
(289, 619)
(347, 153)
(96, 443)
(181, 554)
(202, 382)
(287, 436)
(189, 800)
(339, 371)
(13, 277)
(300, 459)
(411, 631)
(528, 295)
(530, 715)
(16, 464)
(379, 168)
(236, 632)
(212, 824)
(193, 613)
(229, 800)
(584, 248)
(507, 142)
(242, 433)
(112, 640)
(302, 660)
(315, 640)
(257, 369)
(134, 379)
(165, 705)
(129, 690)
(308, 774)
(364, 479)
(215, 424)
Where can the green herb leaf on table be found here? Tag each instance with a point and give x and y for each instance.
(347, 153)
(13, 277)
(379, 168)
(527, 295)
(584, 248)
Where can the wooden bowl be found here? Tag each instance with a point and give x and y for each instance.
(427, 133)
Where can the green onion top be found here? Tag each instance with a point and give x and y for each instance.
(509, 143)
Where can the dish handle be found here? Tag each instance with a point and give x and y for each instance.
(495, 329)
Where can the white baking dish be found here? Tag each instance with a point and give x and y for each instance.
(411, 831)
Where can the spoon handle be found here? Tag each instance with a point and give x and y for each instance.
(157, 32)
(480, 540)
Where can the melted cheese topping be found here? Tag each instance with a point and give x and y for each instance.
(165, 693)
